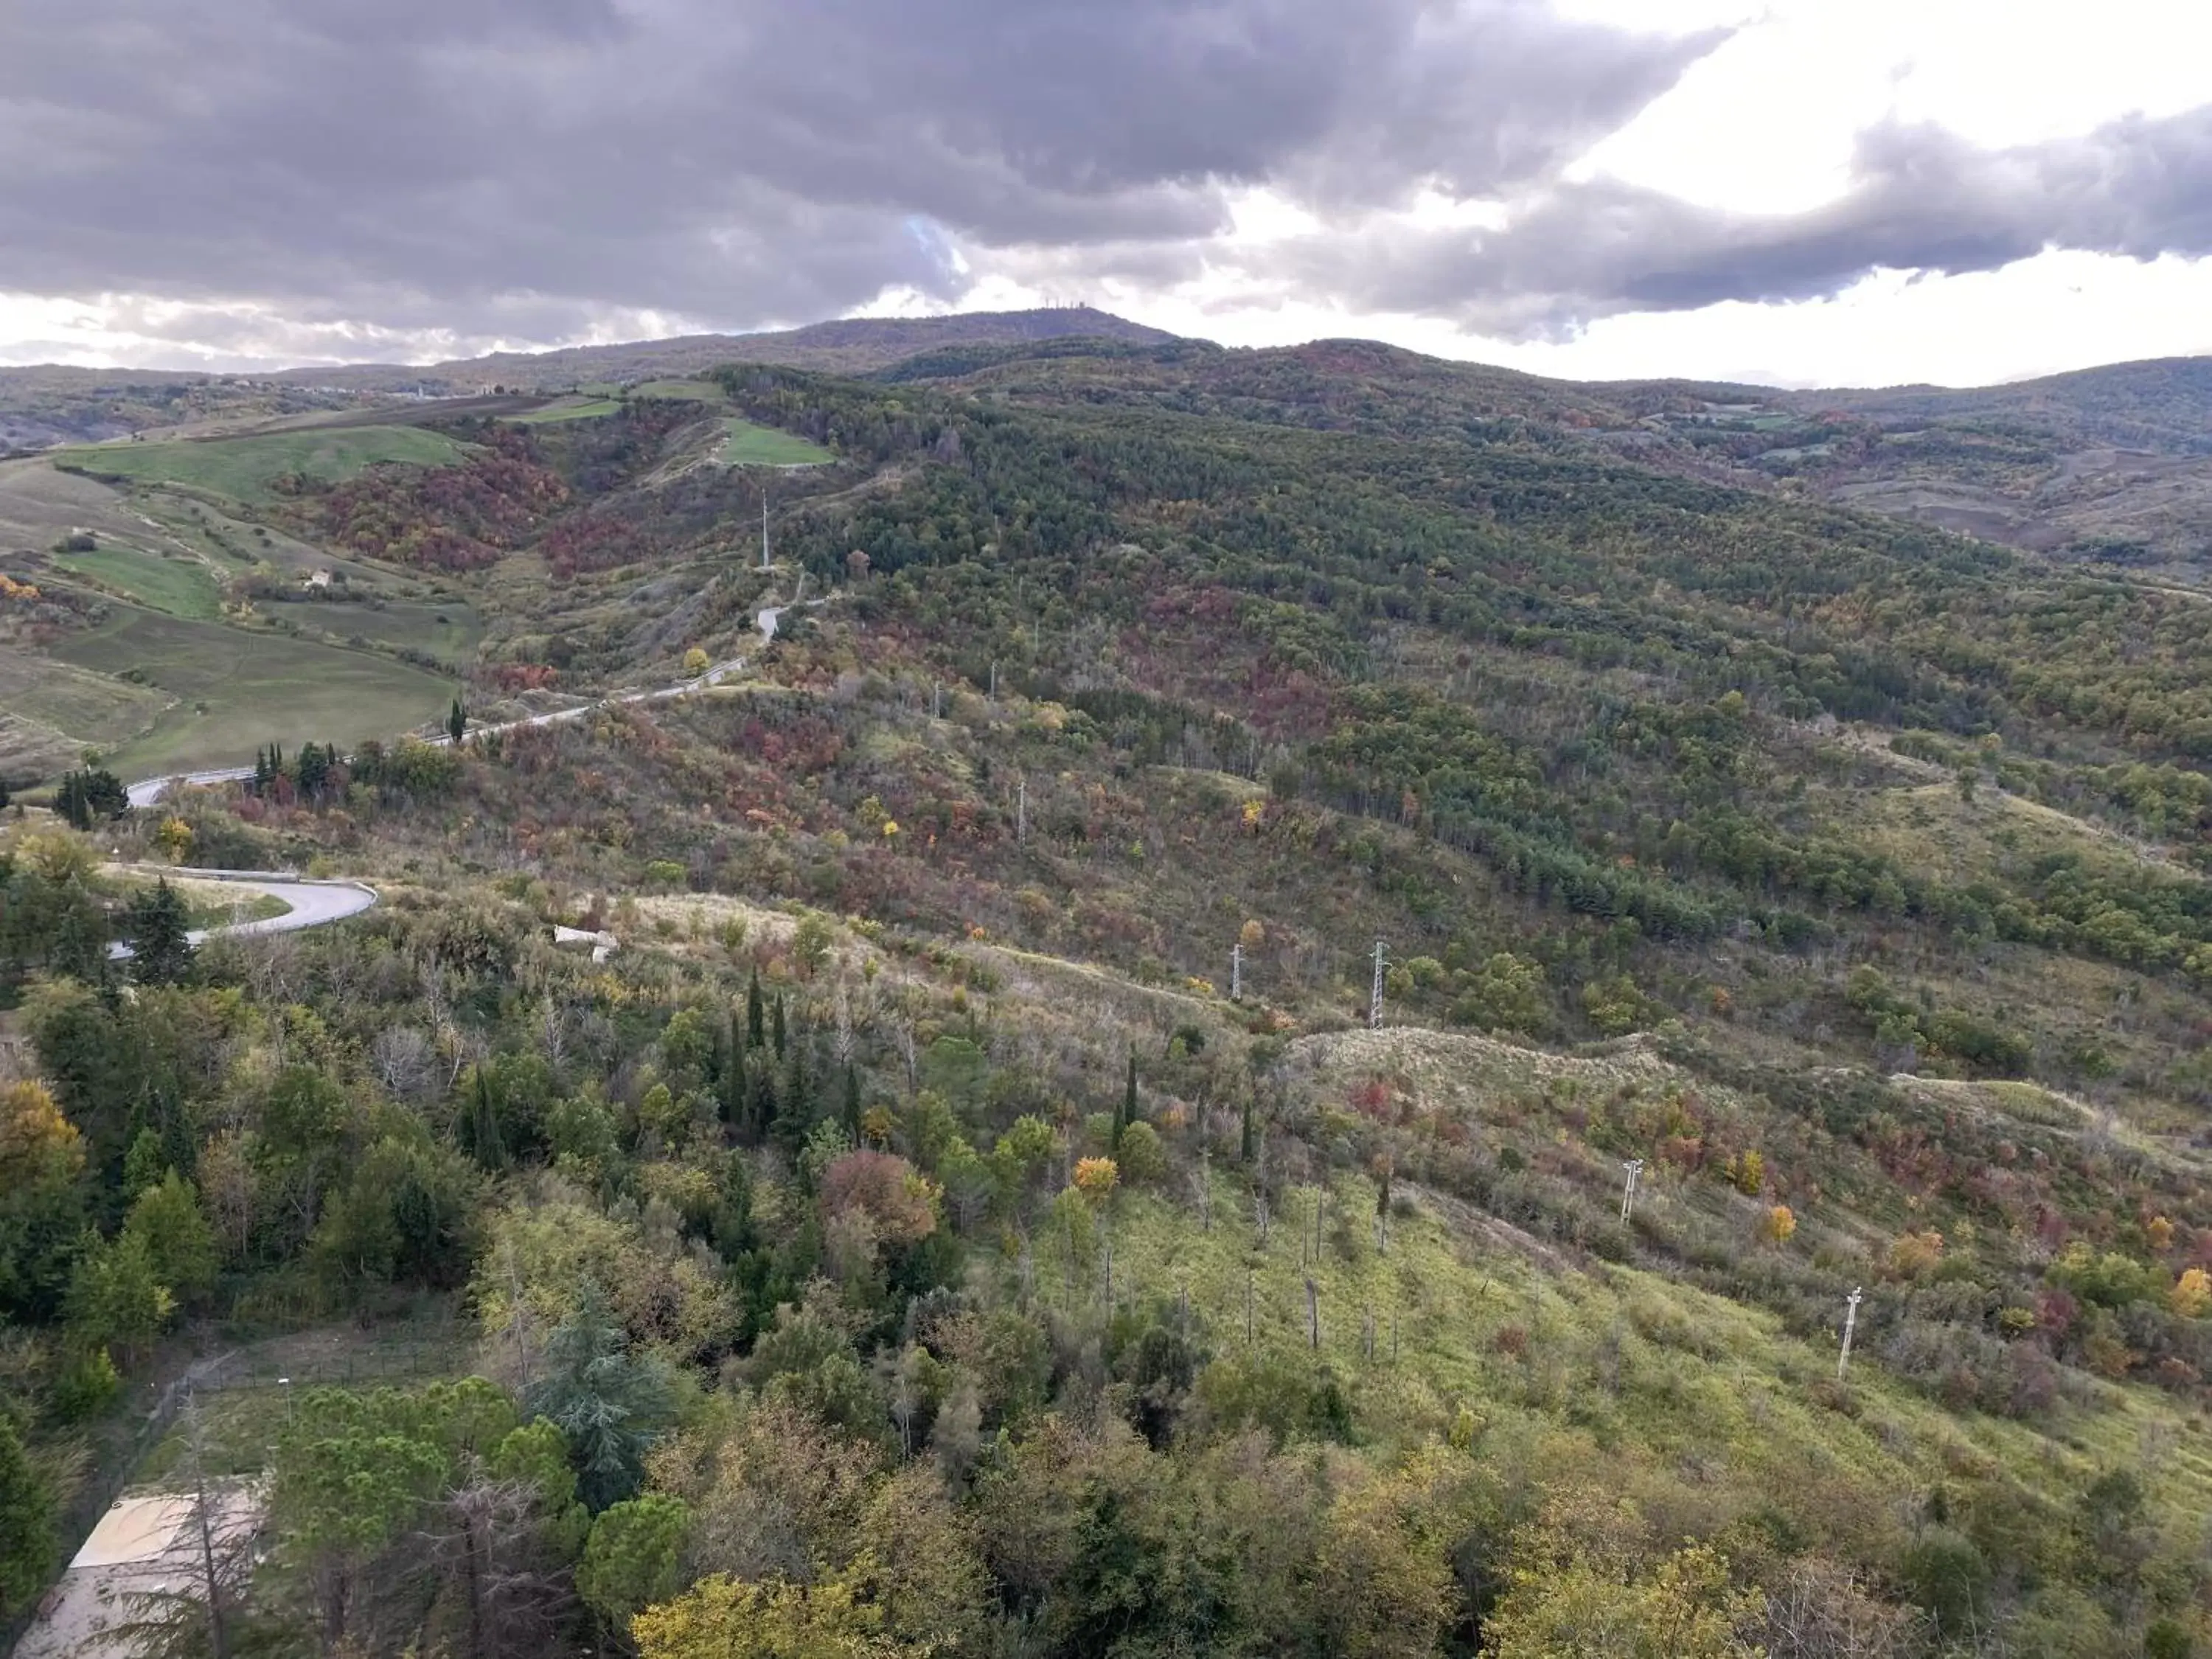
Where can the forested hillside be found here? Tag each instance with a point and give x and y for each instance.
(1087, 1107)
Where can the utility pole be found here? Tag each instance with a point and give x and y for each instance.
(937, 700)
(1237, 971)
(1850, 1324)
(1022, 810)
(1635, 1168)
(1374, 995)
(764, 564)
(994, 683)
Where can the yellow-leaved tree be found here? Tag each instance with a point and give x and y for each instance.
(721, 1618)
(2191, 1293)
(1687, 1607)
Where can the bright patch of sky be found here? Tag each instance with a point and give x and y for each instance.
(1763, 126)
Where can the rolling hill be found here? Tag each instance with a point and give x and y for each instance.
(982, 1132)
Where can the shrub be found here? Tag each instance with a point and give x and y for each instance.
(1141, 1155)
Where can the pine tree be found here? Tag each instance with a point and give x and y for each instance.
(155, 926)
(756, 1028)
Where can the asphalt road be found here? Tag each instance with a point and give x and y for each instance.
(314, 903)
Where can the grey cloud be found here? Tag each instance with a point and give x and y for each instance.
(498, 165)
(1923, 201)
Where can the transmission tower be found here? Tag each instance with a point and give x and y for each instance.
(1634, 1166)
(1374, 993)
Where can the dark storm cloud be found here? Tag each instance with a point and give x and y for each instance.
(1923, 201)
(523, 165)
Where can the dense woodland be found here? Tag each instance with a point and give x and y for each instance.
(903, 1242)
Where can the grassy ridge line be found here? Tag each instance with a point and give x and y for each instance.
(566, 409)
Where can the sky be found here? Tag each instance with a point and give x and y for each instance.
(1841, 192)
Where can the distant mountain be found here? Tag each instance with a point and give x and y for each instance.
(850, 346)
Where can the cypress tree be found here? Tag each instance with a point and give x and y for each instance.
(798, 1098)
(852, 1102)
(778, 1025)
(718, 1053)
(1244, 1138)
(1128, 1112)
(756, 1030)
(733, 1088)
(480, 1127)
(760, 1100)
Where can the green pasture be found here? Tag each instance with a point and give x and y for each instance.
(236, 691)
(747, 445)
(246, 469)
(449, 632)
(180, 585)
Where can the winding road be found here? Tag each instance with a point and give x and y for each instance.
(147, 791)
(312, 903)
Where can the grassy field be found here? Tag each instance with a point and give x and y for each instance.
(50, 712)
(569, 409)
(747, 445)
(449, 632)
(237, 690)
(243, 469)
(180, 586)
